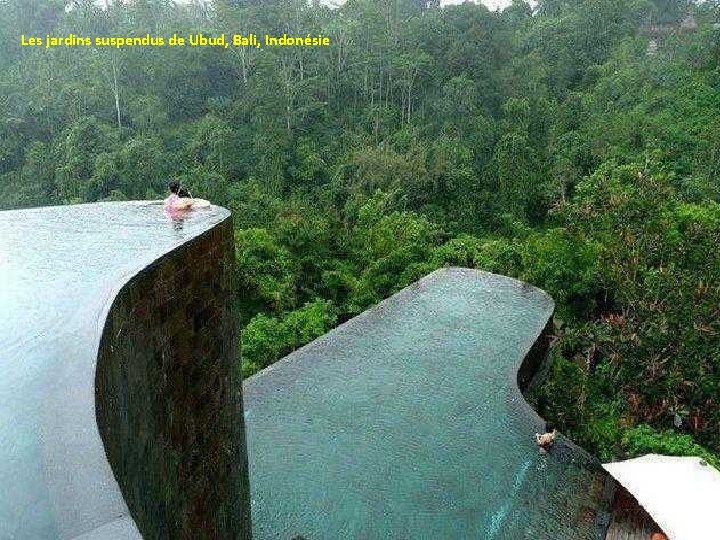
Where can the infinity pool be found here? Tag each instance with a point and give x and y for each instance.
(60, 268)
(406, 423)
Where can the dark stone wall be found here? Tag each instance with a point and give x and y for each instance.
(535, 358)
(168, 395)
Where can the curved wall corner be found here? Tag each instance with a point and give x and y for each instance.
(524, 374)
(528, 375)
(169, 396)
(535, 358)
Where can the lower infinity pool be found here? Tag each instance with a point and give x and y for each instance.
(406, 422)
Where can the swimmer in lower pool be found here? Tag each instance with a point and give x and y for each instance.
(178, 200)
(547, 439)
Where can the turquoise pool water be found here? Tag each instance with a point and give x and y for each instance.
(406, 422)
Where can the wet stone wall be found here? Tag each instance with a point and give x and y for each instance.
(168, 395)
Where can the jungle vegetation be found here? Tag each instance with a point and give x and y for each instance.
(574, 145)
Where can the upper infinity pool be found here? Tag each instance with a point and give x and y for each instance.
(406, 423)
(60, 270)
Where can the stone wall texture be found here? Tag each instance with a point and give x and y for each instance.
(168, 395)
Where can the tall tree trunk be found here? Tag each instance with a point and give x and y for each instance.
(117, 92)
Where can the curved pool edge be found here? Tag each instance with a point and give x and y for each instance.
(515, 373)
(166, 404)
(395, 297)
(61, 269)
(523, 377)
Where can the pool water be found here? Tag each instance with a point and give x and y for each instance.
(406, 422)
(60, 269)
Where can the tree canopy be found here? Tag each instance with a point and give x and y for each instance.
(575, 145)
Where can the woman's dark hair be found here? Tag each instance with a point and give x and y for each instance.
(174, 186)
(184, 193)
(549, 427)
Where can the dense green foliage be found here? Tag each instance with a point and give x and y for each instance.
(645, 440)
(576, 147)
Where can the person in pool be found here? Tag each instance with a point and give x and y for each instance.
(547, 439)
(179, 199)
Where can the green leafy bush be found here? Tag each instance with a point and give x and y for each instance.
(267, 339)
(643, 439)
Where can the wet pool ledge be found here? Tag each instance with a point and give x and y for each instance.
(119, 404)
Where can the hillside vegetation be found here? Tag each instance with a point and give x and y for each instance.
(559, 146)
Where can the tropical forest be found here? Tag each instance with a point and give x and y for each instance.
(573, 144)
